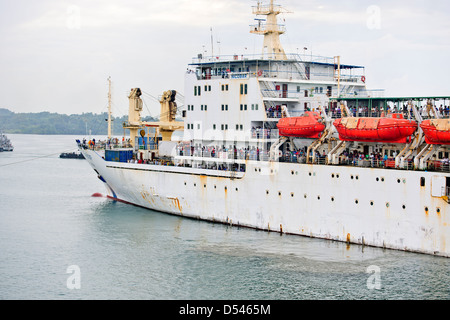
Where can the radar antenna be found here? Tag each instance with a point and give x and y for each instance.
(272, 48)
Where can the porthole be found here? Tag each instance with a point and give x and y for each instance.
(279, 193)
(185, 183)
(237, 189)
(332, 198)
(403, 207)
(422, 182)
(351, 177)
(378, 179)
(332, 175)
(371, 203)
(204, 186)
(310, 174)
(356, 201)
(438, 210)
(426, 209)
(318, 197)
(387, 204)
(382, 179)
(357, 177)
(292, 172)
(267, 191)
(304, 196)
(292, 194)
(195, 184)
(225, 188)
(337, 176)
(398, 180)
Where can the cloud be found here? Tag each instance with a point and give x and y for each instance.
(60, 53)
(132, 13)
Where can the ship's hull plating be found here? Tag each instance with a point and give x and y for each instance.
(374, 207)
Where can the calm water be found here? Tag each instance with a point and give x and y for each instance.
(49, 221)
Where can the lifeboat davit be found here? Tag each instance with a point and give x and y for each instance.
(308, 126)
(393, 129)
(437, 131)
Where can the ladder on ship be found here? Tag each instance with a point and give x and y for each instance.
(267, 89)
(300, 66)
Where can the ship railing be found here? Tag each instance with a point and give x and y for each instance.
(265, 133)
(200, 58)
(282, 94)
(299, 157)
(438, 165)
(103, 145)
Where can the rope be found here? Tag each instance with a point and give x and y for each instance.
(36, 158)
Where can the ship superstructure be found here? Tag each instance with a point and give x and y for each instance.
(289, 143)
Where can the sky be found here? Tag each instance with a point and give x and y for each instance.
(57, 55)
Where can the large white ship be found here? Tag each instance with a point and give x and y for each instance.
(288, 143)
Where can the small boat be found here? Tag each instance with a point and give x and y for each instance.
(391, 129)
(71, 155)
(437, 131)
(5, 143)
(308, 126)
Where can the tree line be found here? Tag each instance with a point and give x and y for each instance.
(55, 123)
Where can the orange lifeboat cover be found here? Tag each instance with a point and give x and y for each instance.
(308, 126)
(393, 129)
(437, 131)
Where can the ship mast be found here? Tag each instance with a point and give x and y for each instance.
(109, 109)
(271, 30)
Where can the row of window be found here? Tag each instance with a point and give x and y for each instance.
(239, 127)
(244, 89)
(225, 87)
(204, 107)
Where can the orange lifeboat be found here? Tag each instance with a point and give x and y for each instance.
(393, 129)
(437, 131)
(308, 126)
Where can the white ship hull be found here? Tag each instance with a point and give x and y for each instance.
(373, 207)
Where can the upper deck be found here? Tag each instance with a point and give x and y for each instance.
(297, 67)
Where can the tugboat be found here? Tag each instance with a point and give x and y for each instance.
(5, 143)
(71, 155)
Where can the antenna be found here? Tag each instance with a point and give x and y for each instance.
(109, 108)
(212, 43)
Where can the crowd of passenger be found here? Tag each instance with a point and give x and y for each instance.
(364, 111)
(108, 144)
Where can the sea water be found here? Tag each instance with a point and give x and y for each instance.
(59, 242)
